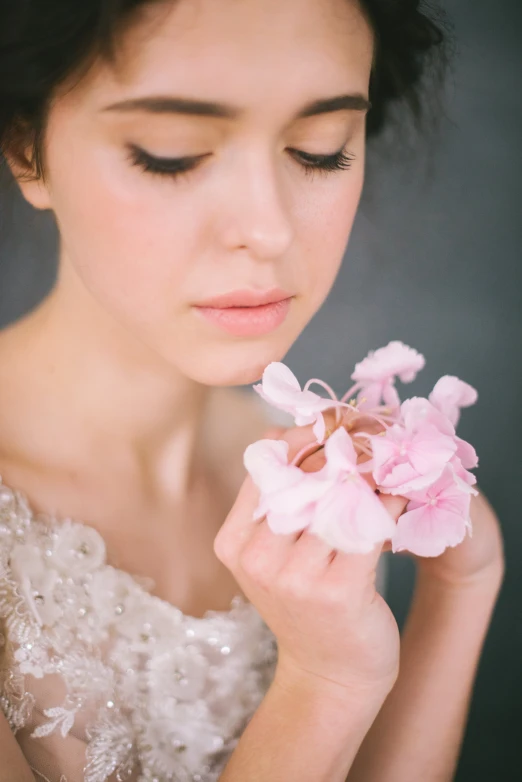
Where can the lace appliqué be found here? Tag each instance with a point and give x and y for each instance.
(40, 777)
(150, 691)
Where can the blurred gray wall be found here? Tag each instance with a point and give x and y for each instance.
(434, 260)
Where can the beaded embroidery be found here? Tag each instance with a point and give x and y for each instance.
(154, 694)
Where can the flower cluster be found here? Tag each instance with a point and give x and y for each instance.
(375, 445)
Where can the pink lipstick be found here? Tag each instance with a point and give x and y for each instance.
(247, 313)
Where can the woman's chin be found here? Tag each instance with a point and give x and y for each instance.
(230, 375)
(232, 367)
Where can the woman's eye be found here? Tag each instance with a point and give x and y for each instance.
(176, 167)
(163, 166)
(339, 161)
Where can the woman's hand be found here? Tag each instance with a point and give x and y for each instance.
(331, 625)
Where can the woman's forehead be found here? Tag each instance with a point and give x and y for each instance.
(240, 52)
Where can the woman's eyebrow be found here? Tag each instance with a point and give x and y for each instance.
(159, 104)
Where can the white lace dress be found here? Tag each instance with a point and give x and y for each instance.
(99, 679)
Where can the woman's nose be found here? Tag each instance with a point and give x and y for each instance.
(256, 217)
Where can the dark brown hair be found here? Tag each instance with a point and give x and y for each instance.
(43, 43)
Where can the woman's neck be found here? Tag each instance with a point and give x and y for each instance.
(77, 387)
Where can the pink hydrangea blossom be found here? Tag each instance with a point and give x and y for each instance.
(450, 394)
(465, 459)
(408, 460)
(288, 495)
(417, 455)
(435, 518)
(466, 453)
(376, 374)
(349, 516)
(417, 411)
(280, 387)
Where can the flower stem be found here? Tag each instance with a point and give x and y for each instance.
(324, 385)
(351, 391)
(306, 451)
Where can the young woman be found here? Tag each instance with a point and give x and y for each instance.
(200, 156)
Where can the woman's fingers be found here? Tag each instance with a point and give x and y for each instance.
(320, 604)
(310, 553)
(248, 544)
(239, 517)
(243, 542)
(395, 506)
(357, 566)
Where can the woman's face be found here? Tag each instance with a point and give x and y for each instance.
(243, 90)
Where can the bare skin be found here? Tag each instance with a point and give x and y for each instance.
(147, 535)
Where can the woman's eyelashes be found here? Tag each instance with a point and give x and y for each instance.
(177, 167)
(338, 161)
(163, 166)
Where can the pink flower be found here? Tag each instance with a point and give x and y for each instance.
(450, 394)
(417, 411)
(418, 456)
(288, 495)
(435, 518)
(280, 388)
(465, 459)
(376, 373)
(349, 516)
(466, 453)
(410, 459)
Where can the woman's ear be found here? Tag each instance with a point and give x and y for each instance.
(34, 189)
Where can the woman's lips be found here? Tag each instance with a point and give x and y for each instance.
(247, 321)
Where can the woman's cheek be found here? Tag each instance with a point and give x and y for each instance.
(332, 228)
(123, 236)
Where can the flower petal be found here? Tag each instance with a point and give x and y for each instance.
(450, 394)
(427, 531)
(283, 524)
(467, 454)
(280, 388)
(266, 460)
(385, 363)
(340, 453)
(429, 449)
(351, 518)
(319, 428)
(418, 411)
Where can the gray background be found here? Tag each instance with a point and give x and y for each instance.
(434, 260)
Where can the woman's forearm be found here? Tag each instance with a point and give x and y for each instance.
(303, 731)
(418, 732)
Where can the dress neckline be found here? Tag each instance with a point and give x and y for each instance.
(57, 524)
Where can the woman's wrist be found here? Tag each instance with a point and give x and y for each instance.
(418, 732)
(362, 700)
(483, 586)
(449, 620)
(306, 728)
